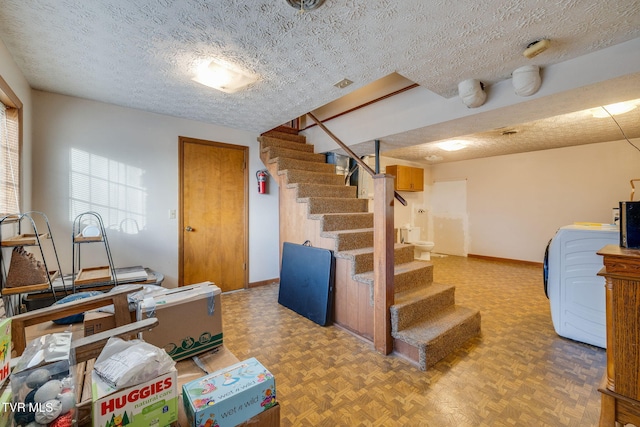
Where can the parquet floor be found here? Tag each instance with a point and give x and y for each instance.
(519, 372)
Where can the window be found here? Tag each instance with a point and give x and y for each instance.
(113, 189)
(10, 171)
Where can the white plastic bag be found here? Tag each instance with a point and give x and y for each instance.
(42, 382)
(127, 363)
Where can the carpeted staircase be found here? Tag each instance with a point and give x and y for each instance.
(426, 323)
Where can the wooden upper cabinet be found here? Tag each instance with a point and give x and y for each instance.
(407, 178)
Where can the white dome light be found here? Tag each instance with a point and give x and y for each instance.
(526, 80)
(453, 145)
(221, 76)
(613, 109)
(472, 93)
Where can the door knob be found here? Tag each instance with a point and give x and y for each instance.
(188, 228)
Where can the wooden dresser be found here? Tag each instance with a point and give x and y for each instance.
(620, 385)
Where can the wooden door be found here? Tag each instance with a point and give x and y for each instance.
(213, 214)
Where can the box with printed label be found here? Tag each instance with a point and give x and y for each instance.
(190, 320)
(5, 406)
(5, 349)
(152, 403)
(229, 396)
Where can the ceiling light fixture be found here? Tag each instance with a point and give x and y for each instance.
(222, 77)
(304, 5)
(453, 145)
(472, 93)
(526, 80)
(613, 109)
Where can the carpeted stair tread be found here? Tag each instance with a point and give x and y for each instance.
(289, 163)
(406, 275)
(266, 142)
(412, 306)
(319, 205)
(415, 274)
(336, 233)
(274, 152)
(398, 248)
(408, 297)
(306, 189)
(363, 258)
(351, 239)
(286, 135)
(346, 221)
(406, 268)
(437, 336)
(301, 176)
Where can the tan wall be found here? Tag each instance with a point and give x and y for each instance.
(517, 202)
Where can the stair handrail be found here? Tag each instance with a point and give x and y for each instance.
(351, 154)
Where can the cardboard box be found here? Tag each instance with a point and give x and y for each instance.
(229, 396)
(150, 404)
(5, 349)
(269, 418)
(99, 321)
(6, 411)
(214, 360)
(190, 320)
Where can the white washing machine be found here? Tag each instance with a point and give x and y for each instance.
(575, 291)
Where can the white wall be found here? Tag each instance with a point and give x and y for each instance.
(517, 202)
(144, 142)
(450, 217)
(11, 74)
(416, 200)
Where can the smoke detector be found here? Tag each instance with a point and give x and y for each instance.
(536, 48)
(303, 5)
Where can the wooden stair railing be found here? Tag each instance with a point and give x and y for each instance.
(383, 247)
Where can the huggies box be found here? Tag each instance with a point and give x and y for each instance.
(152, 403)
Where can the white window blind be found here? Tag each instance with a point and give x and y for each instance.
(9, 160)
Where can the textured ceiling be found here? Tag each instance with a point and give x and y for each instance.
(565, 130)
(143, 53)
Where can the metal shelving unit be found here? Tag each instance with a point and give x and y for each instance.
(82, 276)
(27, 234)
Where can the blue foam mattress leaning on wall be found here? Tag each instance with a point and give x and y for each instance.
(306, 281)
